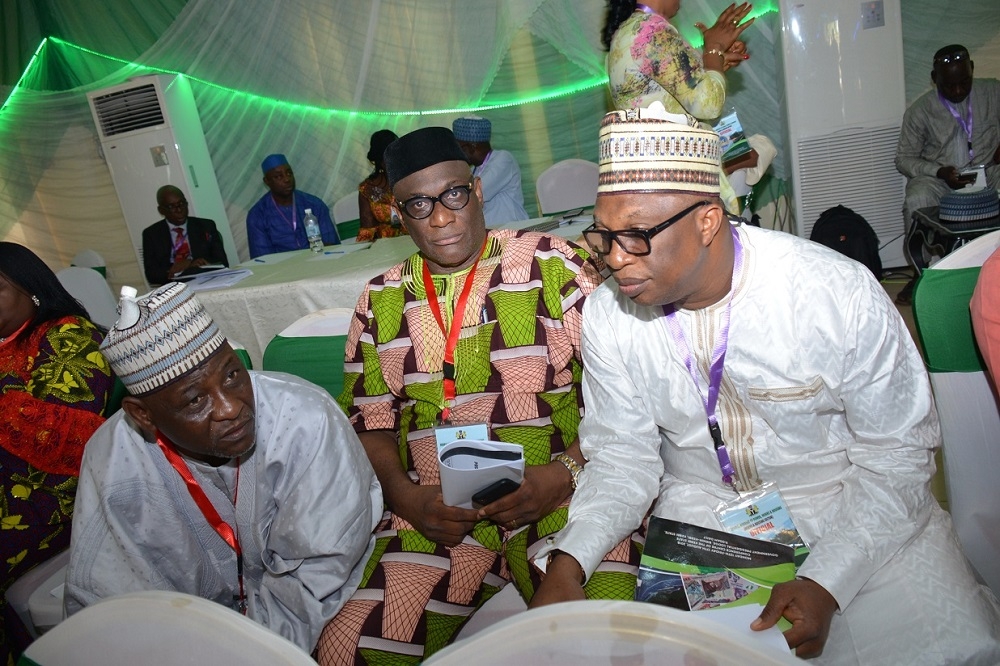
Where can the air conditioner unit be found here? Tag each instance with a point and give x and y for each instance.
(151, 136)
(842, 63)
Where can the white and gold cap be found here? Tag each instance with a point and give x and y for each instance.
(650, 150)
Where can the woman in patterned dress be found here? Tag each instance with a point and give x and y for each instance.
(54, 385)
(375, 195)
(649, 60)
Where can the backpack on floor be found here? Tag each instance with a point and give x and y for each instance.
(845, 231)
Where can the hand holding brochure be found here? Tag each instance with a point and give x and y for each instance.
(467, 466)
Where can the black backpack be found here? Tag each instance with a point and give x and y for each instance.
(850, 234)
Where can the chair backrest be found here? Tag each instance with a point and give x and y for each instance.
(587, 633)
(567, 185)
(345, 209)
(970, 420)
(159, 627)
(313, 348)
(91, 289)
(90, 259)
(34, 588)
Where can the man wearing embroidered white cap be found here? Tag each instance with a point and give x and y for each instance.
(503, 198)
(246, 488)
(717, 339)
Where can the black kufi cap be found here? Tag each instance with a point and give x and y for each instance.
(420, 149)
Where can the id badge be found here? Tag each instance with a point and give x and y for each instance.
(448, 433)
(763, 514)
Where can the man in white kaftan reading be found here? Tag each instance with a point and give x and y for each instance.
(246, 488)
(804, 369)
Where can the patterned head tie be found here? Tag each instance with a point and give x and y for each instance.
(472, 129)
(159, 337)
(650, 150)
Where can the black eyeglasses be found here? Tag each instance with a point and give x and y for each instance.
(454, 198)
(952, 57)
(179, 205)
(633, 241)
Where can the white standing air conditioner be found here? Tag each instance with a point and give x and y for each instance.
(151, 135)
(842, 63)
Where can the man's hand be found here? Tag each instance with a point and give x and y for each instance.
(201, 261)
(808, 606)
(954, 178)
(563, 582)
(544, 488)
(425, 509)
(180, 265)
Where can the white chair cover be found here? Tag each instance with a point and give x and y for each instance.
(166, 628)
(91, 289)
(970, 429)
(332, 321)
(346, 208)
(567, 185)
(36, 596)
(88, 259)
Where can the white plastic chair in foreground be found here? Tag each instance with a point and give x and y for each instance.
(166, 628)
(970, 421)
(91, 289)
(587, 633)
(567, 185)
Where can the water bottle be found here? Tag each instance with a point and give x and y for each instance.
(312, 231)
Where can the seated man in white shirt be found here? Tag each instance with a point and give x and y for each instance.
(503, 199)
(245, 488)
(792, 361)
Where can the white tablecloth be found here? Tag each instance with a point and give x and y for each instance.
(287, 286)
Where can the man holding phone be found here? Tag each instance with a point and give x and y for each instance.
(947, 134)
(476, 336)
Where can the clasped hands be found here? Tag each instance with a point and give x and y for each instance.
(544, 488)
(181, 264)
(724, 35)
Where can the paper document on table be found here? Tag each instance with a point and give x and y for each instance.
(218, 279)
(212, 267)
(467, 466)
(269, 259)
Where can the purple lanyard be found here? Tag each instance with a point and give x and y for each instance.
(965, 123)
(643, 8)
(477, 170)
(718, 361)
(294, 221)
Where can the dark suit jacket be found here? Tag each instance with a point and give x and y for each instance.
(158, 241)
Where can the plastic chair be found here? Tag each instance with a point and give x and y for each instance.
(313, 348)
(91, 289)
(90, 259)
(347, 216)
(567, 185)
(32, 595)
(586, 633)
(159, 627)
(970, 421)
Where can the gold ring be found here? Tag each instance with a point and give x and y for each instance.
(736, 22)
(513, 524)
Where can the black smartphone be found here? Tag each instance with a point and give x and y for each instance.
(493, 492)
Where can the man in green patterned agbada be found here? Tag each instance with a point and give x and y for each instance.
(518, 297)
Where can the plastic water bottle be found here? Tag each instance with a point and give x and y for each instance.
(312, 231)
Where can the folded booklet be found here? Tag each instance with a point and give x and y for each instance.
(732, 139)
(468, 466)
(695, 568)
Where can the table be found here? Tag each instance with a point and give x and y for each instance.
(928, 236)
(290, 285)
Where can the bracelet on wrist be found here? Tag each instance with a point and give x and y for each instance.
(717, 52)
(573, 466)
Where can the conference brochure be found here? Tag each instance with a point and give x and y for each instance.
(695, 568)
(732, 139)
(469, 465)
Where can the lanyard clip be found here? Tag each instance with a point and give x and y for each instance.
(725, 464)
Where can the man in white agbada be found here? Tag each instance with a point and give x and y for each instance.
(822, 392)
(275, 476)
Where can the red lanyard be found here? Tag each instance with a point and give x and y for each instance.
(448, 367)
(208, 509)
